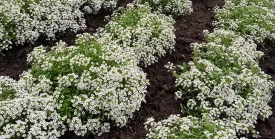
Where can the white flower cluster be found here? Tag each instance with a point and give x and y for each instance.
(95, 5)
(25, 115)
(188, 128)
(226, 83)
(173, 7)
(94, 83)
(264, 3)
(253, 19)
(86, 87)
(24, 21)
(151, 35)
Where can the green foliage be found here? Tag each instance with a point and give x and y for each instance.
(170, 7)
(263, 3)
(176, 127)
(151, 35)
(225, 81)
(251, 20)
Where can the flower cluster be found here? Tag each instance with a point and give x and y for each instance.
(93, 6)
(24, 21)
(224, 85)
(151, 35)
(226, 82)
(26, 115)
(171, 7)
(94, 82)
(253, 19)
(81, 88)
(188, 128)
(264, 3)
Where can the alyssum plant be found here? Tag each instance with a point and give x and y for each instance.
(24, 21)
(94, 81)
(93, 6)
(151, 35)
(176, 127)
(170, 7)
(252, 19)
(80, 88)
(27, 115)
(224, 84)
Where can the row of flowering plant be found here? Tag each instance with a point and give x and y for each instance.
(24, 21)
(80, 88)
(94, 82)
(176, 127)
(224, 85)
(25, 115)
(93, 6)
(86, 87)
(224, 82)
(151, 35)
(171, 7)
(253, 19)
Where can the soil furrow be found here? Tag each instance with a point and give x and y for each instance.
(267, 63)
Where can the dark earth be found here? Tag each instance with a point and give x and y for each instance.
(160, 99)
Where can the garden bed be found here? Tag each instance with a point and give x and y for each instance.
(160, 99)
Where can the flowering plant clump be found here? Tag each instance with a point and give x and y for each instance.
(224, 85)
(176, 127)
(263, 3)
(252, 19)
(225, 82)
(24, 21)
(151, 35)
(94, 82)
(25, 115)
(173, 7)
(93, 6)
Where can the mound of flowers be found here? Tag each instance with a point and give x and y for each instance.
(224, 83)
(151, 35)
(81, 88)
(27, 115)
(95, 81)
(223, 90)
(94, 6)
(24, 21)
(253, 19)
(176, 127)
(171, 7)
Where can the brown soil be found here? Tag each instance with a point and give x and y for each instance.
(267, 63)
(160, 99)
